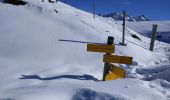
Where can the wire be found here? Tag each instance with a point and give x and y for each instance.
(81, 41)
(100, 43)
(137, 44)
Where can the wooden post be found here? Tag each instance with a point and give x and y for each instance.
(153, 37)
(124, 20)
(94, 10)
(107, 66)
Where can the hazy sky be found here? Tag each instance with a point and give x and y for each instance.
(154, 9)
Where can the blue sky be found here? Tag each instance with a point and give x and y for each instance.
(154, 9)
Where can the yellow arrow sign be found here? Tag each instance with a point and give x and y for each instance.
(117, 59)
(111, 76)
(116, 72)
(101, 48)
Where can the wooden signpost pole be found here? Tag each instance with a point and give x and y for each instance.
(110, 41)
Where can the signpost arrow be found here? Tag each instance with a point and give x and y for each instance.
(101, 48)
(119, 71)
(117, 59)
(115, 73)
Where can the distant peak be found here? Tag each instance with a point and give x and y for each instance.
(119, 16)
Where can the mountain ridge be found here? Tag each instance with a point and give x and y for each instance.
(119, 16)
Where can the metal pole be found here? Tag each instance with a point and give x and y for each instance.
(153, 37)
(94, 10)
(124, 20)
(110, 41)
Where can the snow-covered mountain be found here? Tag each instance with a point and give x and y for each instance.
(34, 65)
(119, 16)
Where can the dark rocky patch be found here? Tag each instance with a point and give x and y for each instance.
(15, 2)
(135, 36)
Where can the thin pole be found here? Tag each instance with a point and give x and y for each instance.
(124, 20)
(94, 10)
(153, 37)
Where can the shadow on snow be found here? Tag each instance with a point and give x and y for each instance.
(78, 77)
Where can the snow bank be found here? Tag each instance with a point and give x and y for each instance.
(163, 29)
(88, 94)
(35, 65)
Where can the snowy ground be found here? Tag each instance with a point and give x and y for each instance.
(145, 28)
(36, 66)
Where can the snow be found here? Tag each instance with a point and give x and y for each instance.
(145, 28)
(36, 66)
(163, 26)
(119, 16)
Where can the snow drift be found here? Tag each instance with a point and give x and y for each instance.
(35, 65)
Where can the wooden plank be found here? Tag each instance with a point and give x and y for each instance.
(116, 73)
(111, 76)
(117, 59)
(117, 70)
(101, 48)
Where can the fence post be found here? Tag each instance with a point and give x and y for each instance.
(153, 37)
(110, 41)
(124, 20)
(94, 10)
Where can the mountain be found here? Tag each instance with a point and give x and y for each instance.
(119, 16)
(34, 65)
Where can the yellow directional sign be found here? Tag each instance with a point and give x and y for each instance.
(101, 48)
(115, 73)
(117, 70)
(111, 76)
(117, 59)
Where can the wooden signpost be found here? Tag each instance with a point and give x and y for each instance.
(111, 71)
(101, 48)
(117, 59)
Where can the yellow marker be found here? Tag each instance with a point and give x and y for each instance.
(101, 48)
(117, 59)
(118, 71)
(115, 73)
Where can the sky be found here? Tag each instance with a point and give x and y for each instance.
(154, 9)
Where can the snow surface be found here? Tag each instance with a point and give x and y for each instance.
(145, 28)
(36, 66)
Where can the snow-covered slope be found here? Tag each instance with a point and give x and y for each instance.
(36, 66)
(145, 28)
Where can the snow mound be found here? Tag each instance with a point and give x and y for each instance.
(163, 29)
(88, 94)
(161, 71)
(161, 75)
